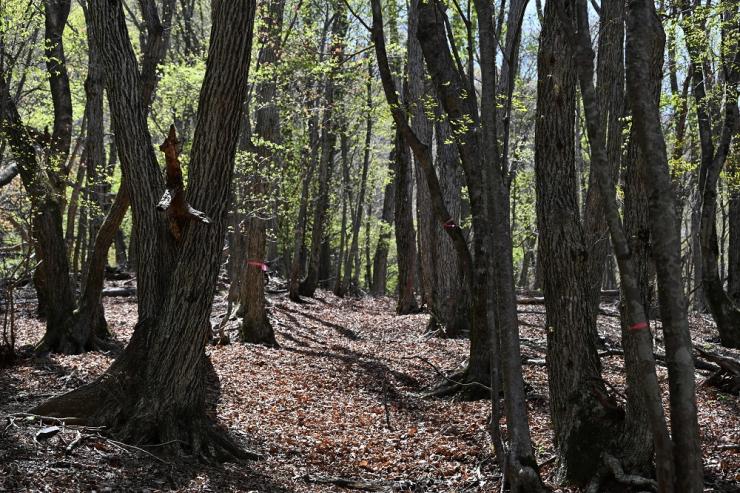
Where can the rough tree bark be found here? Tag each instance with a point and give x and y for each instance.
(155, 391)
(584, 416)
(644, 50)
(610, 93)
(89, 319)
(446, 296)
(633, 444)
(403, 218)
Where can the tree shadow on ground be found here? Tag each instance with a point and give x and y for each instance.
(344, 331)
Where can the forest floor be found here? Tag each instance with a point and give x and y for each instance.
(342, 399)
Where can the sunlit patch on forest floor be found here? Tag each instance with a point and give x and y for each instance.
(342, 399)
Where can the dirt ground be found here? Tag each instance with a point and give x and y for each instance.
(342, 399)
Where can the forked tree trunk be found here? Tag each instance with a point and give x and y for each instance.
(155, 391)
(644, 51)
(89, 318)
(639, 360)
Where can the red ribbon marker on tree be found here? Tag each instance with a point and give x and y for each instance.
(639, 325)
(449, 224)
(259, 264)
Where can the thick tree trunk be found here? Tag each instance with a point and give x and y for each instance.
(155, 391)
(639, 359)
(583, 413)
(447, 298)
(636, 439)
(89, 317)
(644, 52)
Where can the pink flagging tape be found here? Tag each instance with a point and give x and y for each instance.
(639, 325)
(259, 264)
(449, 224)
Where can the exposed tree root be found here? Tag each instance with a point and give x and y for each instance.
(462, 385)
(524, 478)
(129, 409)
(612, 468)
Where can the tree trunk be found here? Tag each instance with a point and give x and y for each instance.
(404, 228)
(380, 260)
(644, 52)
(256, 326)
(610, 93)
(346, 199)
(90, 316)
(724, 311)
(639, 360)
(45, 187)
(352, 277)
(332, 95)
(584, 416)
(300, 227)
(733, 263)
(446, 296)
(155, 391)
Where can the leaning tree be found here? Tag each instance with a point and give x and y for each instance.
(155, 392)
